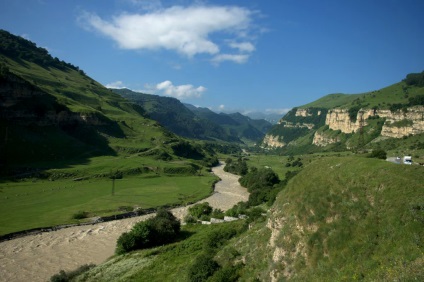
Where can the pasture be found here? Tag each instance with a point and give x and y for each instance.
(40, 203)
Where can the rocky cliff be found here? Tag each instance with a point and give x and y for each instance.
(397, 124)
(273, 141)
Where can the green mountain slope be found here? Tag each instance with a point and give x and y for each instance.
(200, 123)
(177, 118)
(53, 115)
(357, 121)
(235, 124)
(343, 219)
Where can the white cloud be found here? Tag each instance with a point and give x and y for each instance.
(221, 107)
(180, 91)
(186, 30)
(236, 58)
(116, 85)
(243, 46)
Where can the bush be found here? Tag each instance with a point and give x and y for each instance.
(190, 219)
(64, 276)
(217, 213)
(126, 243)
(80, 215)
(227, 274)
(217, 238)
(379, 154)
(162, 229)
(200, 209)
(203, 267)
(239, 167)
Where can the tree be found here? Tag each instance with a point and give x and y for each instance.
(379, 154)
(161, 229)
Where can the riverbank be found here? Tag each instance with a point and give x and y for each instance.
(38, 257)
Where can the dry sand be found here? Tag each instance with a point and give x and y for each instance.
(38, 257)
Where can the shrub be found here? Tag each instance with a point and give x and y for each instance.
(200, 209)
(126, 243)
(162, 229)
(203, 267)
(239, 167)
(378, 153)
(190, 219)
(64, 276)
(217, 213)
(227, 274)
(80, 215)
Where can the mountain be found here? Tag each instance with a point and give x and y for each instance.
(194, 122)
(356, 121)
(236, 124)
(270, 117)
(53, 115)
(177, 118)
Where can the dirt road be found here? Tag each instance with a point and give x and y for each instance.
(38, 257)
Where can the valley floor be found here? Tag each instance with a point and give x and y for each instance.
(38, 257)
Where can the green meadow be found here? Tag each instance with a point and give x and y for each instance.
(40, 203)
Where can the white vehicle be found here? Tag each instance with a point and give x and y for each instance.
(407, 160)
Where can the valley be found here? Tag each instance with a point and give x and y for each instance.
(47, 253)
(318, 198)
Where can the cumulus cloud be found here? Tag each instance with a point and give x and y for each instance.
(186, 30)
(116, 85)
(180, 91)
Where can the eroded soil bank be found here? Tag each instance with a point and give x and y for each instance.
(38, 257)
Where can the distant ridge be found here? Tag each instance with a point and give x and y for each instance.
(199, 123)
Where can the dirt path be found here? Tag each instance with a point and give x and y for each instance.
(38, 257)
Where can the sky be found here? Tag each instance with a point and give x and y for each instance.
(247, 55)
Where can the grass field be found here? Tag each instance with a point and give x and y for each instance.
(40, 203)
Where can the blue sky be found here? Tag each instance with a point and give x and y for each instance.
(250, 55)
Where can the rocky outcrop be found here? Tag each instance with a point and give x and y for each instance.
(303, 113)
(339, 119)
(398, 124)
(298, 124)
(273, 141)
(322, 140)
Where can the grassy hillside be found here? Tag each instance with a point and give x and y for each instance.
(343, 219)
(338, 219)
(63, 137)
(176, 117)
(235, 124)
(398, 93)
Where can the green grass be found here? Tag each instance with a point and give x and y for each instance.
(41, 203)
(351, 217)
(166, 263)
(398, 93)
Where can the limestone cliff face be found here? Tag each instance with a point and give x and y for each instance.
(273, 141)
(322, 140)
(301, 119)
(397, 125)
(302, 113)
(400, 124)
(339, 119)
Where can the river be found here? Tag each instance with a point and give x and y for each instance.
(38, 257)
